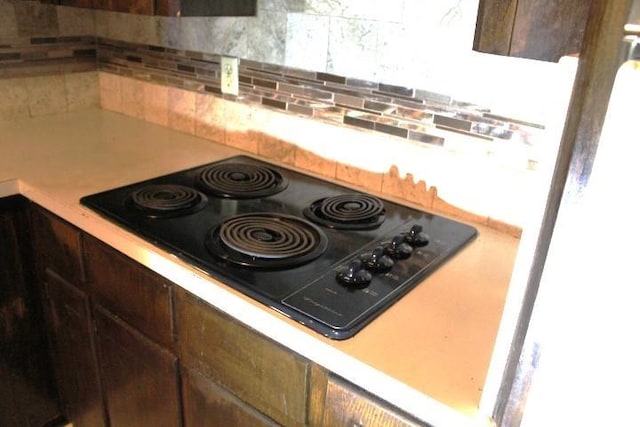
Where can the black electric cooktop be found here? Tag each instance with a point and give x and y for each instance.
(327, 256)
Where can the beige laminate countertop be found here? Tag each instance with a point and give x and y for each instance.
(428, 354)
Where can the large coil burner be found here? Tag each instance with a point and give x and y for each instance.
(265, 240)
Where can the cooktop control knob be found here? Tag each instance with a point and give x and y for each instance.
(377, 260)
(416, 237)
(397, 248)
(354, 275)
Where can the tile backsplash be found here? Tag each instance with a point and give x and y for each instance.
(402, 112)
(41, 56)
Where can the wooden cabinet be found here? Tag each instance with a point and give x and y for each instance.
(134, 330)
(57, 247)
(139, 296)
(207, 403)
(111, 330)
(347, 405)
(258, 371)
(74, 354)
(545, 30)
(132, 349)
(27, 388)
(140, 378)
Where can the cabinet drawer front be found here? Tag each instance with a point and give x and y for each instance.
(57, 246)
(206, 403)
(140, 379)
(132, 292)
(348, 406)
(258, 371)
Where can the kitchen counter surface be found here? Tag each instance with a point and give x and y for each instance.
(428, 354)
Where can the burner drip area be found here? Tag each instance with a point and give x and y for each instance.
(266, 240)
(167, 200)
(241, 181)
(347, 212)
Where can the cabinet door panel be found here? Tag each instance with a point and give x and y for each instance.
(142, 298)
(57, 246)
(74, 352)
(27, 386)
(208, 404)
(140, 378)
(348, 406)
(255, 369)
(544, 30)
(494, 26)
(549, 30)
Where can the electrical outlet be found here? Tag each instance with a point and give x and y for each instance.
(229, 75)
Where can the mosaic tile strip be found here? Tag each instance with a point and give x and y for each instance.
(403, 112)
(39, 56)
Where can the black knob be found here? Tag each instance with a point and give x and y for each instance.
(377, 260)
(397, 248)
(416, 237)
(354, 275)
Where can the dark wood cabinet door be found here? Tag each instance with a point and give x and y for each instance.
(75, 359)
(136, 294)
(57, 246)
(534, 29)
(206, 403)
(347, 405)
(140, 378)
(28, 395)
(257, 370)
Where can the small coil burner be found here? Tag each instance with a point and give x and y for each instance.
(241, 181)
(347, 212)
(167, 200)
(266, 240)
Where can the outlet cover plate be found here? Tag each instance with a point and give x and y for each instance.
(229, 75)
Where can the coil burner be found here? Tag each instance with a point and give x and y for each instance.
(267, 240)
(347, 212)
(241, 181)
(167, 200)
